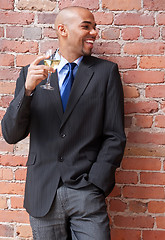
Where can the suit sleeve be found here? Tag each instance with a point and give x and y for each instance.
(102, 173)
(16, 121)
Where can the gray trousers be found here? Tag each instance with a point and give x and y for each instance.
(75, 214)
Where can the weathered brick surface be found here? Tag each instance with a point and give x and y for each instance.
(39, 5)
(122, 5)
(130, 33)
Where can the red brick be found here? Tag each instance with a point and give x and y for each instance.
(1, 32)
(160, 121)
(107, 48)
(7, 4)
(153, 235)
(139, 19)
(138, 48)
(40, 6)
(161, 18)
(2, 113)
(154, 5)
(143, 121)
(14, 216)
(44, 46)
(32, 33)
(0, 129)
(143, 77)
(5, 100)
(160, 222)
(116, 192)
(6, 230)
(16, 18)
(11, 188)
(3, 202)
(131, 92)
(141, 163)
(141, 107)
(128, 121)
(6, 60)
(5, 147)
(155, 91)
(121, 5)
(14, 31)
(103, 18)
(124, 62)
(11, 160)
(162, 106)
(163, 33)
(17, 202)
(125, 234)
(116, 205)
(93, 4)
(156, 207)
(134, 221)
(146, 137)
(22, 147)
(20, 174)
(46, 18)
(147, 150)
(6, 174)
(152, 62)
(49, 32)
(151, 32)
(110, 33)
(137, 207)
(131, 33)
(141, 150)
(23, 60)
(18, 46)
(24, 231)
(8, 74)
(7, 87)
(143, 192)
(126, 177)
(153, 178)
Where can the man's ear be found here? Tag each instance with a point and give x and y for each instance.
(62, 30)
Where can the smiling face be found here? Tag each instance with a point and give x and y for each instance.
(77, 33)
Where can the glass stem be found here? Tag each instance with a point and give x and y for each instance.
(48, 79)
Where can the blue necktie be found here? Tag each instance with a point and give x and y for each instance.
(67, 84)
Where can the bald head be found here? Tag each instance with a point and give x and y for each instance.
(75, 27)
(67, 15)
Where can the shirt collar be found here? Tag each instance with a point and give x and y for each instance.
(63, 62)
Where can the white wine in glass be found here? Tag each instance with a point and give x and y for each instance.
(51, 62)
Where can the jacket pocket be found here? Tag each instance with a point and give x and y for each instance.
(91, 155)
(31, 159)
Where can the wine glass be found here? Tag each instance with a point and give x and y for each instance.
(53, 62)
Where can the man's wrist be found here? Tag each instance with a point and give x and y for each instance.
(28, 93)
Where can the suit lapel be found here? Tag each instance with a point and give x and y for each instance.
(55, 94)
(82, 78)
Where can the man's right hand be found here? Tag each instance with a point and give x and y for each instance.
(36, 73)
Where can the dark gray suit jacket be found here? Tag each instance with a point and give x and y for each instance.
(83, 145)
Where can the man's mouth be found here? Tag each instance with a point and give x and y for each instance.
(90, 42)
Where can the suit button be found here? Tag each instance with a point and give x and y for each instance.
(61, 159)
(63, 135)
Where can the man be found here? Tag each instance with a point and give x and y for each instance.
(74, 151)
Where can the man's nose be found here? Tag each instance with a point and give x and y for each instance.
(93, 32)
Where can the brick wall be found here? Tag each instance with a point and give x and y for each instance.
(131, 33)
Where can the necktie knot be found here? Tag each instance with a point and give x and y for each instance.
(71, 66)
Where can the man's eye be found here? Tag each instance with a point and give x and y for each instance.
(85, 27)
